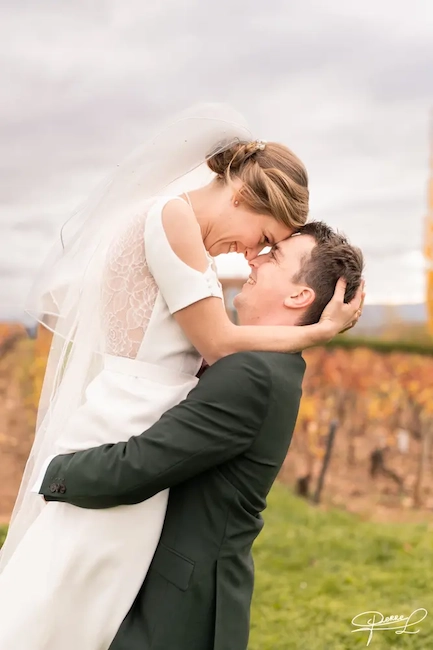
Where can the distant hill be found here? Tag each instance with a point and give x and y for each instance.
(374, 316)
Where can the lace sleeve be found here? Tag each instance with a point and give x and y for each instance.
(129, 292)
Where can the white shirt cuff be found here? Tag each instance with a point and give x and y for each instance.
(37, 486)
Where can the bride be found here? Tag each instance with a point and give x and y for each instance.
(135, 305)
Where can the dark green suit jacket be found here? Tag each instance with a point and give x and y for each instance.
(219, 451)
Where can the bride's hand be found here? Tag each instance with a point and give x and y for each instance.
(338, 316)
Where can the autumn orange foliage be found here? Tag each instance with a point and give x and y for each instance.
(364, 389)
(372, 396)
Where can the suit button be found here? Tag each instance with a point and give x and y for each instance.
(54, 487)
(62, 489)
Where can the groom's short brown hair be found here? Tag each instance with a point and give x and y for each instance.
(331, 258)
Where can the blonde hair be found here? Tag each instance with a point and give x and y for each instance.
(275, 181)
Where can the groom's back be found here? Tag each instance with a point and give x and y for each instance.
(198, 590)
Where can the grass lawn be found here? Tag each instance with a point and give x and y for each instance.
(316, 570)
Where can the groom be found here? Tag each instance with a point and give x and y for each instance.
(219, 451)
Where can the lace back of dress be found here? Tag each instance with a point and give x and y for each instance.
(129, 292)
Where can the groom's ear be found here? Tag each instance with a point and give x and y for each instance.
(300, 298)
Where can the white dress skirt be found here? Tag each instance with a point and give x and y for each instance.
(76, 572)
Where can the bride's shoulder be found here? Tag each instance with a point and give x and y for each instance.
(183, 233)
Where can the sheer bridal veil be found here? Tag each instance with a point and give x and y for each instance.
(66, 296)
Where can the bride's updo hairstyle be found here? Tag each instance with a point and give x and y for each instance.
(275, 181)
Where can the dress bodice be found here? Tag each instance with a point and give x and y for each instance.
(146, 283)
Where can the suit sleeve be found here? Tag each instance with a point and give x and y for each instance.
(216, 422)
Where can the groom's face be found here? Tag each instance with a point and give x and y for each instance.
(270, 296)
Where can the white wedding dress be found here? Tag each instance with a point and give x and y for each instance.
(76, 573)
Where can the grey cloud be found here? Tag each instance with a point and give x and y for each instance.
(346, 85)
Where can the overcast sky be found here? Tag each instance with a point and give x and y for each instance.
(346, 84)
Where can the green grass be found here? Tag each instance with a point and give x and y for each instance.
(379, 345)
(316, 570)
(3, 530)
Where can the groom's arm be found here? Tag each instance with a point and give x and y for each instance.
(218, 421)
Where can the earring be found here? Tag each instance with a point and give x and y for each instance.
(236, 203)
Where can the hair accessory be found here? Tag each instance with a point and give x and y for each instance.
(260, 145)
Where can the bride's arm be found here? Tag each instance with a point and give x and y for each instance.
(210, 330)
(206, 323)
